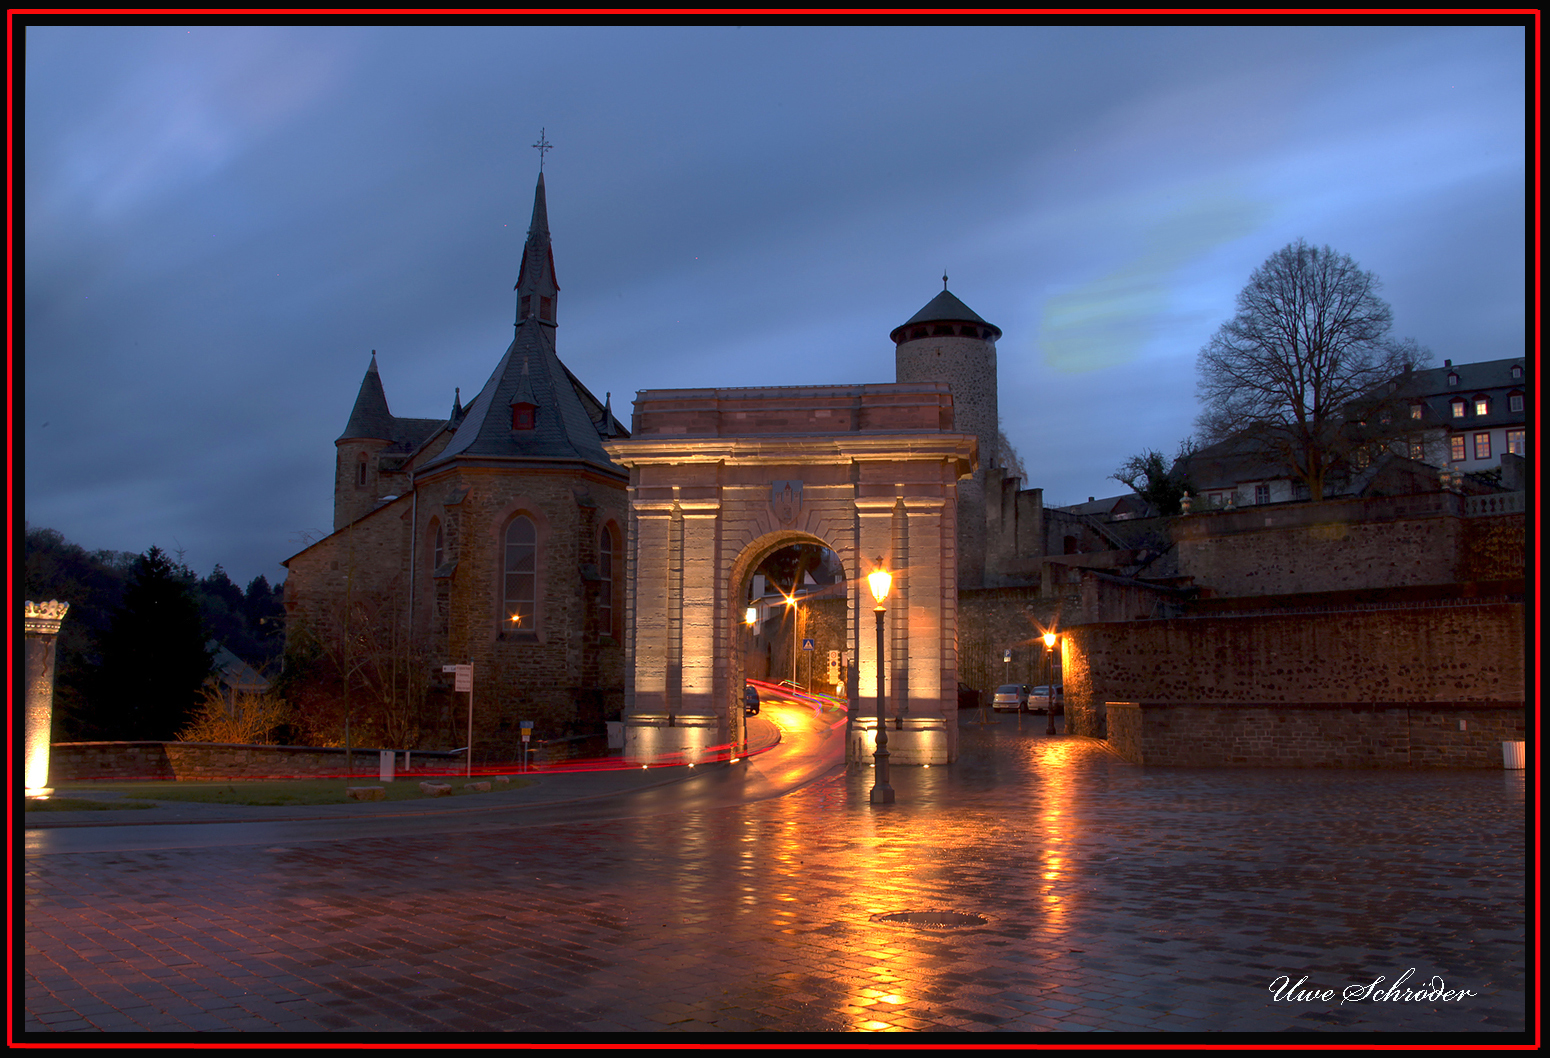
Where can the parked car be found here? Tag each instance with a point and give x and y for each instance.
(750, 700)
(1011, 697)
(1039, 699)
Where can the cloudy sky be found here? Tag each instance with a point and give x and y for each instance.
(221, 224)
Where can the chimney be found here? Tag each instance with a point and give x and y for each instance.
(1447, 363)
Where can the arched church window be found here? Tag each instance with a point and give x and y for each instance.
(521, 575)
(360, 471)
(438, 544)
(605, 590)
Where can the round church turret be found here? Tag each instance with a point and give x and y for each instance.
(948, 342)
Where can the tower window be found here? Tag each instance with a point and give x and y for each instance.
(942, 328)
(522, 416)
(360, 472)
(527, 305)
(918, 332)
(546, 308)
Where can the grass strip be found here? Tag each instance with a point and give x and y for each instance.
(269, 793)
(77, 804)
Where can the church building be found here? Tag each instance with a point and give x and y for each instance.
(493, 537)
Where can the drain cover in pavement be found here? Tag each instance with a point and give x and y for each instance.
(933, 919)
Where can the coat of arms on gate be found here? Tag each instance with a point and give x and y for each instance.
(786, 500)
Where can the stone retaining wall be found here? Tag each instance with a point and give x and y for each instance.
(1314, 734)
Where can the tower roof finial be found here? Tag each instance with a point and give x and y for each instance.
(944, 279)
(543, 146)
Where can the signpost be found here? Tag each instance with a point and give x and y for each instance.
(807, 648)
(527, 735)
(463, 680)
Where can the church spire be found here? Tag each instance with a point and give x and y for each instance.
(537, 290)
(370, 416)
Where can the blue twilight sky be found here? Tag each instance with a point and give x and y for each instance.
(220, 224)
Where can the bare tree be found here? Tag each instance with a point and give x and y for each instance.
(1150, 476)
(1010, 459)
(1298, 366)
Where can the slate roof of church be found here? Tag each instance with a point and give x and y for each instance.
(370, 417)
(570, 422)
(562, 428)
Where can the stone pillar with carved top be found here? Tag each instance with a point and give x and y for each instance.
(41, 623)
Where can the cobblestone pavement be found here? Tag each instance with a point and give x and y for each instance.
(1115, 898)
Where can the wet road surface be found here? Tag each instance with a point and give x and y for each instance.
(1113, 898)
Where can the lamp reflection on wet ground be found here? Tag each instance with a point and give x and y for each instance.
(1115, 897)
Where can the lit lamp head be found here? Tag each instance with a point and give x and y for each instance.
(1049, 639)
(751, 616)
(880, 581)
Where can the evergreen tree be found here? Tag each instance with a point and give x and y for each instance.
(154, 658)
(93, 585)
(264, 608)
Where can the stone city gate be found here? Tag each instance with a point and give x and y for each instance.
(722, 478)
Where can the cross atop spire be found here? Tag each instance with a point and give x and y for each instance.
(944, 279)
(543, 146)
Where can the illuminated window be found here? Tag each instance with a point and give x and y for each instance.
(605, 590)
(1458, 408)
(521, 574)
(1417, 450)
(1515, 442)
(1415, 411)
(1482, 406)
(1482, 446)
(1456, 448)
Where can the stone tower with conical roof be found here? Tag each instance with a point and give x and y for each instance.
(948, 342)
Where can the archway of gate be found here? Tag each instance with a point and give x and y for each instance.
(722, 479)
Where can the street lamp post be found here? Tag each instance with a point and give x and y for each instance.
(796, 631)
(750, 619)
(880, 581)
(1049, 681)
